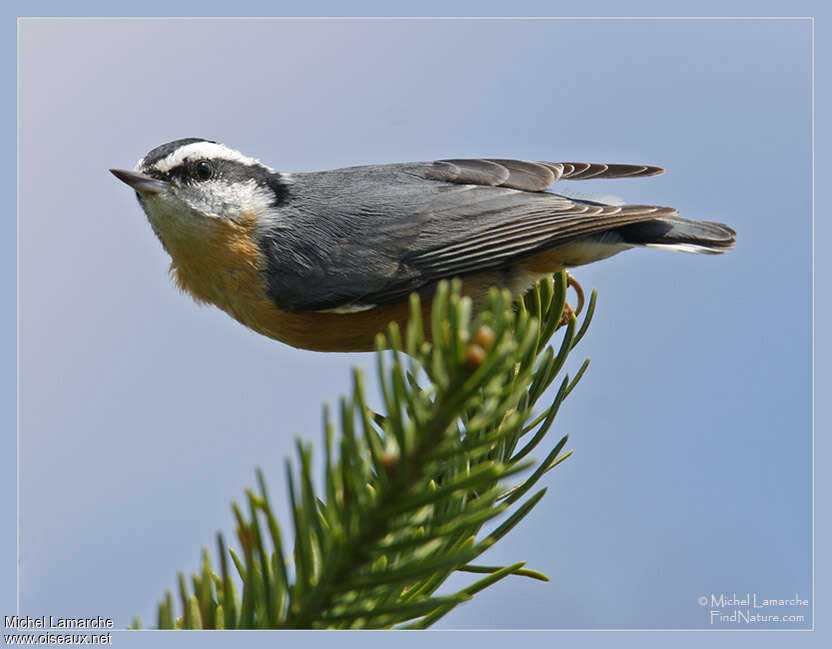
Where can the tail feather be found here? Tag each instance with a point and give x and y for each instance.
(680, 234)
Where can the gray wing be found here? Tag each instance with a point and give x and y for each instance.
(366, 236)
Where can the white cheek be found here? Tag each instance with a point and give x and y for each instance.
(185, 204)
(167, 213)
(186, 210)
(221, 199)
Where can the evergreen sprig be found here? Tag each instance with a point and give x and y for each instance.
(409, 491)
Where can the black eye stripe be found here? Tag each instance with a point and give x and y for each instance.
(231, 171)
(188, 171)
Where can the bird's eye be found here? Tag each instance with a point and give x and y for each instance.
(204, 170)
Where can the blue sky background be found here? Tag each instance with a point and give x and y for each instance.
(142, 415)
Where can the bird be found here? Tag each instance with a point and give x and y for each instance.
(325, 260)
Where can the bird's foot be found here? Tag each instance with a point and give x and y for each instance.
(568, 311)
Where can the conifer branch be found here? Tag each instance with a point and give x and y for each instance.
(409, 491)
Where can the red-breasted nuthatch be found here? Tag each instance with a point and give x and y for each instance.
(326, 260)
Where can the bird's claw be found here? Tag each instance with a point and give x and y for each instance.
(568, 311)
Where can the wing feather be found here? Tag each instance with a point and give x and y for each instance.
(528, 236)
(586, 170)
(383, 231)
(526, 175)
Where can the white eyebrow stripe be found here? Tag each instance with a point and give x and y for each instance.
(210, 150)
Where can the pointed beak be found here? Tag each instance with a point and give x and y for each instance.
(140, 182)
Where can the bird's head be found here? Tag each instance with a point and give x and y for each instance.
(187, 184)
